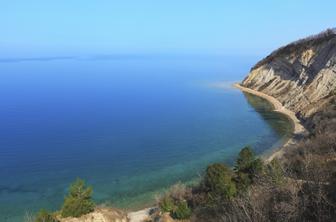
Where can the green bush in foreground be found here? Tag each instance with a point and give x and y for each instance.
(78, 202)
(218, 181)
(275, 171)
(45, 216)
(247, 163)
(175, 202)
(182, 211)
(167, 204)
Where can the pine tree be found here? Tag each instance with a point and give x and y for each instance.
(78, 202)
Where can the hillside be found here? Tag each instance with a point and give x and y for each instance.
(301, 75)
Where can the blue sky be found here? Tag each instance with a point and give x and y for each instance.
(39, 27)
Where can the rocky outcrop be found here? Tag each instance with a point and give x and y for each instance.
(301, 75)
(100, 215)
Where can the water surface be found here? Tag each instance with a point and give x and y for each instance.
(130, 126)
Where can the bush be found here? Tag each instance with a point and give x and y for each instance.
(182, 211)
(243, 181)
(78, 202)
(275, 172)
(245, 158)
(247, 163)
(167, 204)
(174, 202)
(218, 181)
(178, 191)
(45, 216)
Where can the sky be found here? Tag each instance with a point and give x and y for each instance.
(66, 27)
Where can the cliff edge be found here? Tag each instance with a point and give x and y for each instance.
(301, 75)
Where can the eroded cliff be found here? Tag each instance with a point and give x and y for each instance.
(301, 75)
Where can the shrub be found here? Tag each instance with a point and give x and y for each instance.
(275, 172)
(243, 181)
(167, 204)
(182, 211)
(45, 216)
(218, 181)
(257, 167)
(178, 191)
(247, 163)
(245, 158)
(174, 202)
(78, 202)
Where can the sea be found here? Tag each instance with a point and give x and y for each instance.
(129, 125)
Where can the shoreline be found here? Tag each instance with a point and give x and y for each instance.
(298, 128)
(140, 215)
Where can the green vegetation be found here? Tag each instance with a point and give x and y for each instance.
(248, 163)
(167, 204)
(275, 171)
(175, 202)
(78, 202)
(45, 216)
(247, 168)
(182, 211)
(221, 188)
(218, 182)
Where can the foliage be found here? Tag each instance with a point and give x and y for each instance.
(218, 181)
(243, 181)
(174, 202)
(245, 158)
(247, 163)
(167, 204)
(178, 191)
(78, 202)
(182, 211)
(45, 216)
(275, 172)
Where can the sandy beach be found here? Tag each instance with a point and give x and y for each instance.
(278, 107)
(139, 216)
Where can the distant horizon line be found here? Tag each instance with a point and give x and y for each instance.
(119, 56)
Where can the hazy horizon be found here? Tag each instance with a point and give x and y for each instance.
(39, 28)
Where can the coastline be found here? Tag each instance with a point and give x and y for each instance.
(143, 213)
(298, 128)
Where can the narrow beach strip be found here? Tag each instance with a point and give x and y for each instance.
(278, 107)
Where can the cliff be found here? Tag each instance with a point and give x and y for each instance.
(301, 75)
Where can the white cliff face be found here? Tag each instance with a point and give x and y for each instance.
(301, 75)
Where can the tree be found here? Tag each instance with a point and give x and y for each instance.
(78, 202)
(167, 204)
(245, 158)
(218, 181)
(247, 163)
(182, 211)
(243, 181)
(275, 172)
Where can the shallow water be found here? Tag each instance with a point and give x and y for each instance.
(129, 126)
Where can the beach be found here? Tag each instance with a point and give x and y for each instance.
(298, 128)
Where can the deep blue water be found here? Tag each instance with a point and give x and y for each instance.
(129, 126)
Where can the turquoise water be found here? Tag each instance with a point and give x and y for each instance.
(130, 126)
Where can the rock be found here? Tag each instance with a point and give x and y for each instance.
(301, 75)
(100, 215)
(166, 218)
(141, 215)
